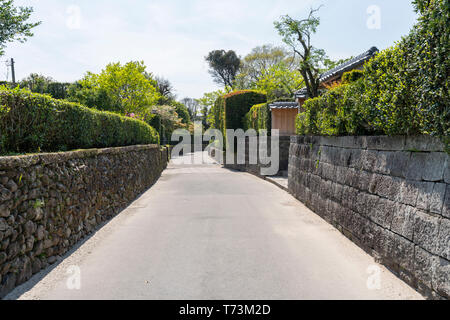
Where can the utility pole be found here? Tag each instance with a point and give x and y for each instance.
(13, 72)
(10, 63)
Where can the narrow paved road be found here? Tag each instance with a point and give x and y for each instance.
(204, 232)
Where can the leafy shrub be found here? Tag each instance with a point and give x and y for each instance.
(230, 110)
(32, 122)
(238, 104)
(352, 76)
(337, 112)
(403, 90)
(259, 118)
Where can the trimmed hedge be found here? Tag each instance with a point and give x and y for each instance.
(404, 89)
(259, 118)
(337, 112)
(31, 122)
(231, 109)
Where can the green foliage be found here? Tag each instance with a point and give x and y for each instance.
(403, 90)
(182, 112)
(31, 122)
(259, 118)
(237, 105)
(389, 104)
(352, 76)
(121, 88)
(337, 112)
(217, 115)
(40, 84)
(279, 81)
(13, 23)
(297, 35)
(224, 66)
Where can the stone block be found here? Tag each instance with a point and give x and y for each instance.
(443, 242)
(394, 249)
(424, 143)
(409, 192)
(382, 214)
(385, 186)
(353, 142)
(447, 170)
(340, 174)
(441, 278)
(369, 160)
(365, 203)
(425, 192)
(364, 179)
(329, 171)
(426, 231)
(446, 207)
(416, 165)
(403, 221)
(386, 143)
(438, 198)
(344, 157)
(384, 161)
(434, 167)
(424, 266)
(399, 163)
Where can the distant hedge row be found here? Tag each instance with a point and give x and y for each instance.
(403, 90)
(230, 110)
(32, 122)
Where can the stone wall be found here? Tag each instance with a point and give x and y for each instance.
(255, 169)
(390, 195)
(49, 202)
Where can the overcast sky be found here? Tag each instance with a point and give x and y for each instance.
(172, 37)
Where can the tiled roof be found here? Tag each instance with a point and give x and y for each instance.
(341, 69)
(283, 105)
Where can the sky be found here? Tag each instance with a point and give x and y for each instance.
(173, 37)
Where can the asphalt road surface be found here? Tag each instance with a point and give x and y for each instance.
(205, 232)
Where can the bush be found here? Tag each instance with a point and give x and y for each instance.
(238, 104)
(258, 118)
(337, 112)
(32, 122)
(407, 88)
(352, 76)
(403, 90)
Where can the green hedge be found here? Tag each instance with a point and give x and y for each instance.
(404, 90)
(352, 76)
(259, 118)
(337, 112)
(231, 109)
(32, 122)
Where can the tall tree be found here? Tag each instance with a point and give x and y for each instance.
(13, 23)
(165, 89)
(224, 66)
(260, 60)
(193, 106)
(297, 34)
(126, 87)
